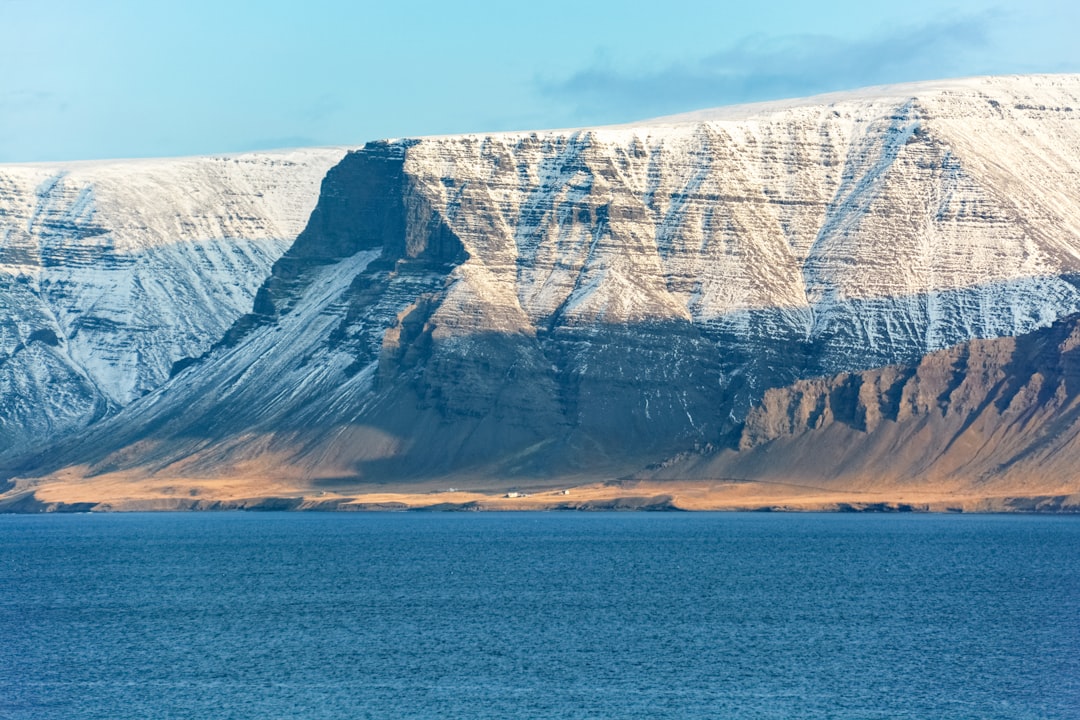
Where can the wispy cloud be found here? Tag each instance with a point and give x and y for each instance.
(23, 100)
(281, 141)
(761, 68)
(320, 108)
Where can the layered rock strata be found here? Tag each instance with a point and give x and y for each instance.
(995, 416)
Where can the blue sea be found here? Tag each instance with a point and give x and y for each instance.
(545, 615)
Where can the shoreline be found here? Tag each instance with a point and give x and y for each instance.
(627, 496)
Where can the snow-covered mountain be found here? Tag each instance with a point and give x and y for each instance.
(112, 271)
(590, 301)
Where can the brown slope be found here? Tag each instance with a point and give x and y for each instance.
(991, 417)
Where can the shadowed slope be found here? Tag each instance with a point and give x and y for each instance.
(994, 416)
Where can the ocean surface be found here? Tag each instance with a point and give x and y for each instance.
(545, 615)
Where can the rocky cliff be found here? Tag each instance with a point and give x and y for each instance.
(998, 416)
(592, 301)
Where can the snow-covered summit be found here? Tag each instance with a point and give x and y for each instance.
(905, 191)
(110, 271)
(1059, 86)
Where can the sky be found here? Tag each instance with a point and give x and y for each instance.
(82, 79)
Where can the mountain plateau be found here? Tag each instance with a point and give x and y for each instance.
(556, 308)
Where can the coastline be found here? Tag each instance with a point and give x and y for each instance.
(109, 495)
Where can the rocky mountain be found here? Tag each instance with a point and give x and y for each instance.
(589, 302)
(998, 416)
(112, 271)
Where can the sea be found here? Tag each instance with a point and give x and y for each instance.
(539, 615)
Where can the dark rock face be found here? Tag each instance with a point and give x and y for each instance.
(992, 413)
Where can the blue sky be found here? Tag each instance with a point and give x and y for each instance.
(137, 78)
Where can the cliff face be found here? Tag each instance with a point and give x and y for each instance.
(112, 271)
(999, 415)
(592, 301)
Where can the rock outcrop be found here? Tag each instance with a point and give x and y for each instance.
(999, 416)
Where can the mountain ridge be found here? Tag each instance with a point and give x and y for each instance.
(556, 304)
(112, 271)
